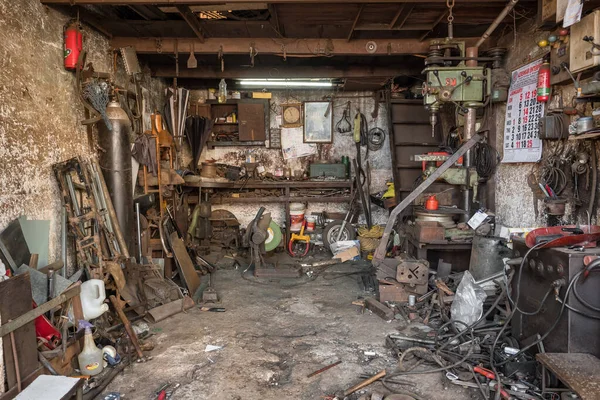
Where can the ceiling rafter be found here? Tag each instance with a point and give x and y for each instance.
(398, 13)
(192, 20)
(437, 21)
(360, 9)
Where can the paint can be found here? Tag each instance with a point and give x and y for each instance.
(311, 222)
(412, 300)
(296, 216)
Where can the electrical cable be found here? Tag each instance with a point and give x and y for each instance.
(594, 264)
(512, 313)
(485, 160)
(375, 139)
(531, 313)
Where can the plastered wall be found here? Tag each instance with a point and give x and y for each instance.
(343, 144)
(514, 199)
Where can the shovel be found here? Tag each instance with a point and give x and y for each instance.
(192, 62)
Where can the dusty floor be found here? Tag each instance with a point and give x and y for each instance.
(272, 337)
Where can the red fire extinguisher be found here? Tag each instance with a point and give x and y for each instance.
(73, 44)
(543, 85)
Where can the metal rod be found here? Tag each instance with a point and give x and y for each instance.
(379, 255)
(364, 383)
(317, 372)
(139, 232)
(16, 360)
(111, 212)
(128, 328)
(497, 22)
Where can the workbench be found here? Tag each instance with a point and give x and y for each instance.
(456, 253)
(580, 372)
(288, 190)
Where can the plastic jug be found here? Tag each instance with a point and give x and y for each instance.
(92, 296)
(90, 358)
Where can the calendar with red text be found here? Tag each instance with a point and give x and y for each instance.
(522, 142)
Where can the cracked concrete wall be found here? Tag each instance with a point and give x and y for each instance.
(514, 199)
(40, 112)
(343, 144)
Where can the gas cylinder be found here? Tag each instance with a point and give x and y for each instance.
(543, 85)
(73, 44)
(115, 163)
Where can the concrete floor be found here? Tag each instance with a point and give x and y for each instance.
(272, 337)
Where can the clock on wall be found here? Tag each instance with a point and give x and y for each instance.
(292, 115)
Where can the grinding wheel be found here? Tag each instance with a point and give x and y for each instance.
(274, 237)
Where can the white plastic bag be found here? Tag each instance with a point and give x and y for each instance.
(467, 306)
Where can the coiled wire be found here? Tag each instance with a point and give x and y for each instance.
(485, 160)
(375, 139)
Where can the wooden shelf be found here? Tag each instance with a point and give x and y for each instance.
(591, 135)
(213, 144)
(281, 199)
(272, 184)
(225, 123)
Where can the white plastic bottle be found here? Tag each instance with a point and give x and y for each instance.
(92, 296)
(90, 358)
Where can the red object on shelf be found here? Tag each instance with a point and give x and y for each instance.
(431, 204)
(543, 85)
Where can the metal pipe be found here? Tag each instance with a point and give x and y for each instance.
(470, 131)
(139, 231)
(511, 4)
(111, 212)
(63, 241)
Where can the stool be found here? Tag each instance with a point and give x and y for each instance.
(50, 387)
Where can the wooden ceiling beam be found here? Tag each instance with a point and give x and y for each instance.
(274, 20)
(437, 21)
(205, 2)
(402, 20)
(292, 47)
(386, 27)
(360, 9)
(192, 20)
(282, 72)
(395, 19)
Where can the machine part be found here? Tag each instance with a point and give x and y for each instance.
(379, 255)
(371, 47)
(413, 272)
(487, 256)
(299, 243)
(63, 240)
(444, 219)
(509, 6)
(575, 333)
(115, 162)
(336, 231)
(274, 238)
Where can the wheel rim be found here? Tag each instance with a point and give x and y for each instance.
(333, 233)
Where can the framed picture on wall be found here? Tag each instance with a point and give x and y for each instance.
(318, 122)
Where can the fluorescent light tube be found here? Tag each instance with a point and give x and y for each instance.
(283, 83)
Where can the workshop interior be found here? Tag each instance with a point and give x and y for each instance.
(299, 199)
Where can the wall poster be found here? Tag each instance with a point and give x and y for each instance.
(522, 142)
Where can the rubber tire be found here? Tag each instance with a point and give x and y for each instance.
(335, 225)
